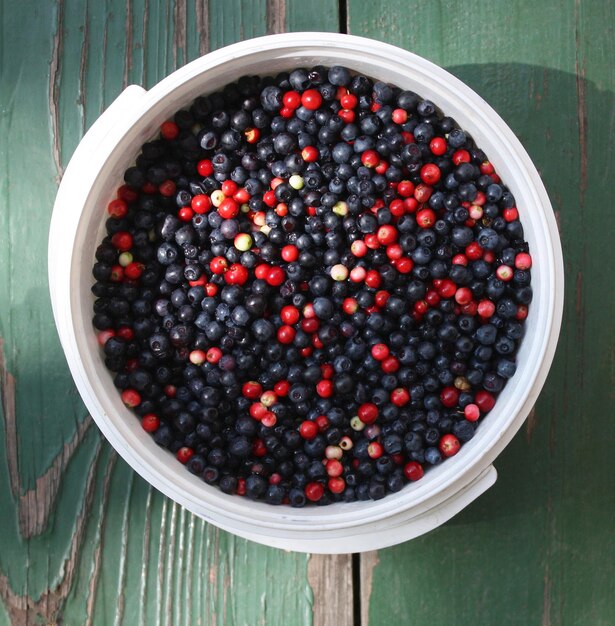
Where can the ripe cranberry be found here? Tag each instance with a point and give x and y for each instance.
(213, 355)
(169, 130)
(430, 173)
(237, 274)
(461, 156)
(309, 154)
(289, 314)
(373, 279)
(375, 450)
(325, 388)
(131, 398)
(205, 168)
(370, 158)
(471, 412)
(185, 214)
(511, 214)
(400, 396)
(311, 99)
(484, 400)
(486, 308)
(336, 485)
(334, 468)
(463, 295)
(387, 234)
(218, 265)
(523, 261)
(228, 209)
(281, 388)
(185, 454)
(426, 218)
(150, 423)
(348, 101)
(413, 471)
(289, 253)
(504, 273)
(122, 241)
(314, 491)
(117, 208)
(275, 276)
(438, 146)
(252, 390)
(390, 365)
(292, 100)
(368, 413)
(308, 429)
(449, 396)
(350, 306)
(405, 188)
(399, 116)
(286, 334)
(380, 351)
(449, 445)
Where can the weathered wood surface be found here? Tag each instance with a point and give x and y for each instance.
(85, 541)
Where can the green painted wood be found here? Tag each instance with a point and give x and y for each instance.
(83, 540)
(538, 547)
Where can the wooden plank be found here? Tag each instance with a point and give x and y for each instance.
(528, 551)
(84, 540)
(330, 577)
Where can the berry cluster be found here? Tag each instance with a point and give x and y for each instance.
(312, 288)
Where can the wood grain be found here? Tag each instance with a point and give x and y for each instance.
(331, 579)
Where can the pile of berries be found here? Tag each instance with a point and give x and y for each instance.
(312, 288)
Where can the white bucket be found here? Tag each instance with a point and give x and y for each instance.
(94, 173)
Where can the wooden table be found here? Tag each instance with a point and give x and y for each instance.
(85, 541)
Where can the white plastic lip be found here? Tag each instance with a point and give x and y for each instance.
(265, 55)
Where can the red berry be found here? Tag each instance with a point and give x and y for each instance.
(281, 388)
(309, 154)
(405, 188)
(213, 355)
(228, 209)
(381, 298)
(229, 187)
(426, 218)
(252, 390)
(167, 188)
(269, 419)
(386, 234)
(311, 99)
(314, 491)
(380, 351)
(336, 485)
(373, 279)
(461, 156)
(463, 295)
(205, 168)
(400, 396)
(471, 412)
(523, 261)
(286, 334)
(504, 273)
(368, 413)
(127, 194)
(131, 398)
(347, 115)
(122, 241)
(258, 410)
(486, 308)
(430, 173)
(185, 454)
(289, 253)
(308, 429)
(449, 445)
(348, 101)
(413, 471)
(117, 208)
(449, 396)
(275, 276)
(404, 265)
(438, 146)
(289, 314)
(259, 448)
(390, 365)
(237, 274)
(324, 388)
(484, 400)
(134, 270)
(350, 306)
(399, 116)
(185, 214)
(150, 423)
(370, 158)
(447, 288)
(375, 450)
(334, 468)
(218, 265)
(169, 130)
(394, 251)
(422, 193)
(291, 99)
(511, 214)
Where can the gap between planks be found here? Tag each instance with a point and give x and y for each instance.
(341, 587)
